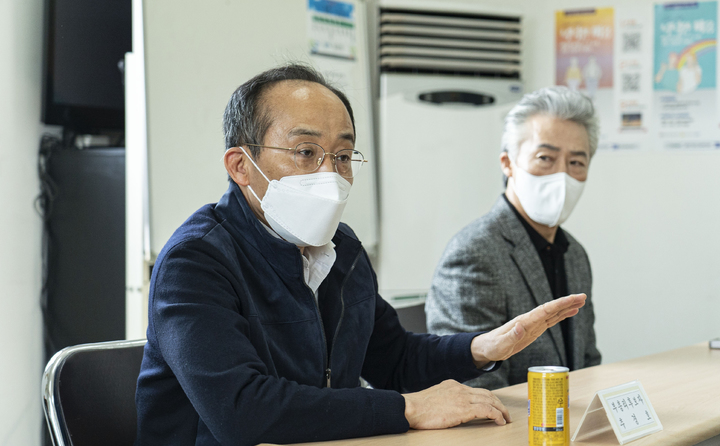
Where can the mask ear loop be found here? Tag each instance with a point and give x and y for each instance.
(258, 169)
(512, 162)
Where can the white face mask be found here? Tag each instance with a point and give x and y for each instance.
(304, 209)
(547, 199)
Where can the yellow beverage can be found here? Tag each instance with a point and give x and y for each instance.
(548, 394)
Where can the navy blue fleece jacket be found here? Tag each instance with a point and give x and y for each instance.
(240, 353)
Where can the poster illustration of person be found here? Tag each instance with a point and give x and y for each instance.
(584, 42)
(684, 80)
(584, 49)
(685, 46)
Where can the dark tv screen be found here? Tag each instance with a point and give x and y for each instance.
(85, 46)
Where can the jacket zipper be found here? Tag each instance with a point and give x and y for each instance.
(326, 358)
(342, 314)
(322, 331)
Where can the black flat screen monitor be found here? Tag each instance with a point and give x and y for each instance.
(85, 46)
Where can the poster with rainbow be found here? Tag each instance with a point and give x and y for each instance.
(684, 74)
(685, 46)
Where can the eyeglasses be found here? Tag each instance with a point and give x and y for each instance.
(309, 156)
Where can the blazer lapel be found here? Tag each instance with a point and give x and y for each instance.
(528, 262)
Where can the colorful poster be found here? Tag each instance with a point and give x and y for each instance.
(331, 28)
(584, 48)
(684, 75)
(584, 41)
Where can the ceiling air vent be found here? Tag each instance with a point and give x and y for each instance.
(413, 41)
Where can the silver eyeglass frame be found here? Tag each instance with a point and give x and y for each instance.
(320, 161)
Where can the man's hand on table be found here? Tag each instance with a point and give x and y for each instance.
(515, 335)
(450, 403)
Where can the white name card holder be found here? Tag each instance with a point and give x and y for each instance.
(628, 410)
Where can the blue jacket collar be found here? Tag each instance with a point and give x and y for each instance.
(284, 257)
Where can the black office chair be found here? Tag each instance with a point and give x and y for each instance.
(89, 394)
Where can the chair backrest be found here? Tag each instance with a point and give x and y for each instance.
(89, 393)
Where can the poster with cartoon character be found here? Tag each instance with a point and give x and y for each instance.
(684, 80)
(584, 57)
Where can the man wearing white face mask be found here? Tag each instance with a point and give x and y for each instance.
(264, 311)
(517, 256)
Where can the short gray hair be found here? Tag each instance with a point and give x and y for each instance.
(560, 102)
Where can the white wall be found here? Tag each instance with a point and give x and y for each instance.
(648, 220)
(20, 322)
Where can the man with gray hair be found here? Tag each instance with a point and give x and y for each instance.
(517, 257)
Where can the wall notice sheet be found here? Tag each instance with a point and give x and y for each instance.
(684, 75)
(331, 28)
(631, 123)
(650, 70)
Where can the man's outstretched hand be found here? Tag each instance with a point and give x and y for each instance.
(515, 335)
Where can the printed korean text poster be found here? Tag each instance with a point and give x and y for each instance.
(331, 28)
(684, 81)
(584, 58)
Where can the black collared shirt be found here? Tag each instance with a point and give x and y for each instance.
(552, 257)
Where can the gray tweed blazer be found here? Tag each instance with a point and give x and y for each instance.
(490, 273)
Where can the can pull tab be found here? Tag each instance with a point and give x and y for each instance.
(328, 373)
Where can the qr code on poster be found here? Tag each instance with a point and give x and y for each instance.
(630, 82)
(631, 42)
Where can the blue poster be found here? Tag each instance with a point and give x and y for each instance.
(684, 76)
(331, 28)
(685, 46)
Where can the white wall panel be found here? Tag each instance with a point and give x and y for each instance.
(439, 171)
(20, 320)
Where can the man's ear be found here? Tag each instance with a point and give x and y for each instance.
(505, 164)
(236, 162)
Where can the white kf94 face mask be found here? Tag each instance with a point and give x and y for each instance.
(547, 199)
(304, 209)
